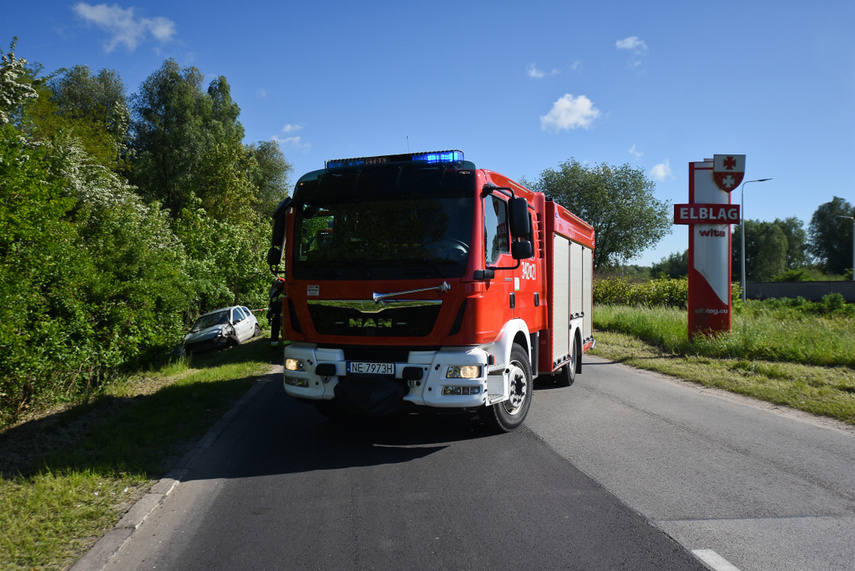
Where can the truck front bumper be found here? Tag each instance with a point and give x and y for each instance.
(451, 377)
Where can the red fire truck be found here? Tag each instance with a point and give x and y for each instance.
(419, 280)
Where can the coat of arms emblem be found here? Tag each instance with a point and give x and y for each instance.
(728, 171)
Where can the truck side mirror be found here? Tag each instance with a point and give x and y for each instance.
(520, 222)
(519, 218)
(277, 240)
(274, 257)
(522, 250)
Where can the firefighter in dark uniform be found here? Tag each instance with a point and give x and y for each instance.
(274, 310)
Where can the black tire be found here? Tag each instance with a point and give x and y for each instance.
(510, 414)
(257, 331)
(231, 338)
(566, 375)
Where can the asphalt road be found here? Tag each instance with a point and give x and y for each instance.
(624, 470)
(763, 488)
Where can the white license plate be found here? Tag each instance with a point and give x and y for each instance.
(369, 368)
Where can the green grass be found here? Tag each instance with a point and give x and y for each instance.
(782, 356)
(96, 459)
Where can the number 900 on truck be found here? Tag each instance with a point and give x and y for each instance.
(419, 281)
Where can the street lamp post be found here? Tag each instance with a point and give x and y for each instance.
(742, 227)
(853, 243)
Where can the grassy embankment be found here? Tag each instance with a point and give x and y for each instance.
(67, 478)
(799, 354)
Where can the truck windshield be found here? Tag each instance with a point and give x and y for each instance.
(397, 221)
(392, 237)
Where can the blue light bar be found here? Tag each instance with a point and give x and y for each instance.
(345, 163)
(431, 158)
(438, 157)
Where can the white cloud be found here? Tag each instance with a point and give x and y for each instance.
(122, 27)
(569, 113)
(536, 73)
(293, 142)
(662, 171)
(633, 44)
(161, 28)
(635, 152)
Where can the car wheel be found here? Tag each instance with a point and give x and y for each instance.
(232, 338)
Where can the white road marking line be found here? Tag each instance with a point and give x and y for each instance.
(714, 560)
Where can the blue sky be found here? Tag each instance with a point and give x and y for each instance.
(518, 86)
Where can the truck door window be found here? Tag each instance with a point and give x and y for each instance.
(496, 240)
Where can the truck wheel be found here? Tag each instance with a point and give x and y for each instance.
(508, 415)
(566, 375)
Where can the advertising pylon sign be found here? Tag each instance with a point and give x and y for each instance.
(709, 215)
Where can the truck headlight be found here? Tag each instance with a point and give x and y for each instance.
(294, 365)
(463, 372)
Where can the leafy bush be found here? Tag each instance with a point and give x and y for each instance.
(96, 280)
(91, 278)
(663, 292)
(226, 261)
(833, 304)
(797, 275)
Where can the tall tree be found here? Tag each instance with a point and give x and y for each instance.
(831, 236)
(770, 248)
(618, 202)
(97, 102)
(182, 135)
(771, 257)
(16, 85)
(270, 172)
(674, 266)
(167, 134)
(99, 98)
(794, 231)
(91, 108)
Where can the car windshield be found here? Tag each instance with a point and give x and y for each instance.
(384, 228)
(211, 319)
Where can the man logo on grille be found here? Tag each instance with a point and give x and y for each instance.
(369, 323)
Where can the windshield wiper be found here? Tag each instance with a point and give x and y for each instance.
(382, 298)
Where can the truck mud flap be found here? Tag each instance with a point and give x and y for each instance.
(371, 395)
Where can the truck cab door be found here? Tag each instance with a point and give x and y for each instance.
(497, 253)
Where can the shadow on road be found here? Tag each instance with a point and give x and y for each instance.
(270, 433)
(275, 434)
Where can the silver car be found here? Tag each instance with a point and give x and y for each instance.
(221, 328)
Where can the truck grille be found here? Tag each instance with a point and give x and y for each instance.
(350, 319)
